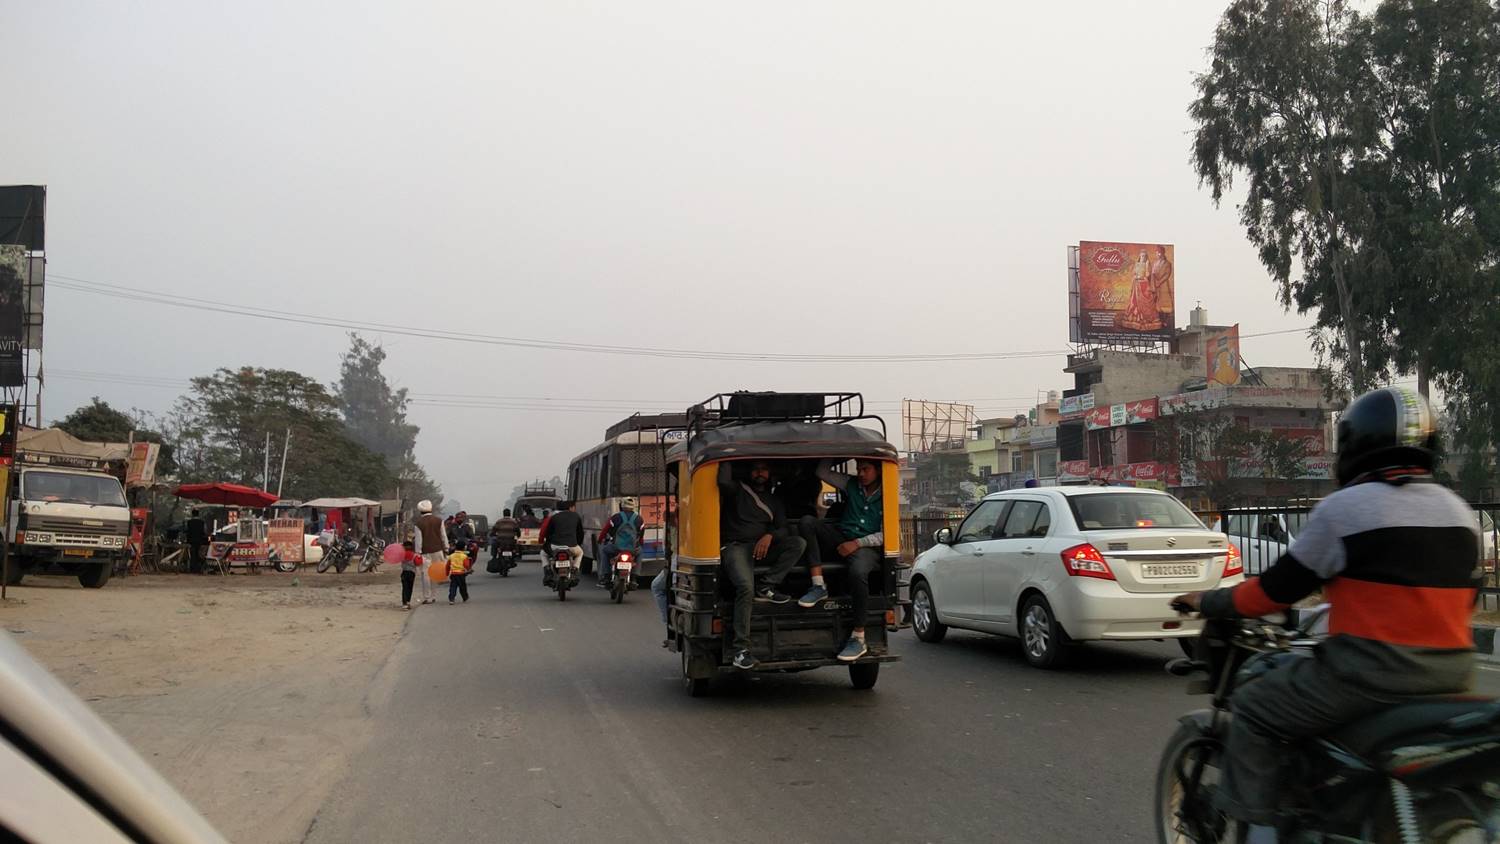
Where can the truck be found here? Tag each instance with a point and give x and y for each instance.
(539, 497)
(67, 516)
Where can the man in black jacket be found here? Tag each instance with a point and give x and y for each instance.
(564, 528)
(197, 540)
(752, 527)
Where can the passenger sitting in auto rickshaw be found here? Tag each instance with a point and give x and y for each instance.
(753, 527)
(857, 536)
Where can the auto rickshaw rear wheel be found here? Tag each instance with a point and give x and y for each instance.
(864, 674)
(694, 686)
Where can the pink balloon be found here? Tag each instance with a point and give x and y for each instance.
(393, 553)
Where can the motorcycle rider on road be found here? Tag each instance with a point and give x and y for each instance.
(1397, 557)
(503, 534)
(564, 528)
(607, 544)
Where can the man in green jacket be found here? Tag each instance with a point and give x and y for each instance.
(857, 536)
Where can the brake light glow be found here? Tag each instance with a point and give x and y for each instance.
(1086, 561)
(624, 558)
(1233, 564)
(1144, 523)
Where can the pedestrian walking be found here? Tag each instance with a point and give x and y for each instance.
(410, 565)
(430, 542)
(459, 566)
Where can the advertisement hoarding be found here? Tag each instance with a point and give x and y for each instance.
(15, 269)
(286, 537)
(1221, 356)
(1126, 291)
(1071, 406)
(1124, 413)
(141, 470)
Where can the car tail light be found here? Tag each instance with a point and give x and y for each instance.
(1233, 564)
(1086, 561)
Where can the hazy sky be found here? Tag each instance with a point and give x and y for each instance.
(854, 177)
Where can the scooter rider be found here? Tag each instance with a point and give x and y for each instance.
(503, 534)
(1397, 557)
(609, 547)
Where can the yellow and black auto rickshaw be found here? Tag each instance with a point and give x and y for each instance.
(793, 433)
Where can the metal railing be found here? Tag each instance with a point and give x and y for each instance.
(917, 531)
(1263, 534)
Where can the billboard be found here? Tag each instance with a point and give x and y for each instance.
(1126, 291)
(15, 270)
(141, 469)
(1221, 356)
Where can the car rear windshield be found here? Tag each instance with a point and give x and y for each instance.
(1112, 511)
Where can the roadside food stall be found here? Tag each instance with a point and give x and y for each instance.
(359, 516)
(247, 544)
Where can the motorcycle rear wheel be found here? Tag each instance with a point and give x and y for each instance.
(324, 564)
(1175, 808)
(617, 591)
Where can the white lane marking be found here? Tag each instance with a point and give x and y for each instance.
(545, 629)
(1488, 668)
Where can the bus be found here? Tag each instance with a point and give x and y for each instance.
(630, 462)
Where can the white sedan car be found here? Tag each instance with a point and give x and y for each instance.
(1058, 565)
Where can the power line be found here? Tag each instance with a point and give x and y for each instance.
(80, 285)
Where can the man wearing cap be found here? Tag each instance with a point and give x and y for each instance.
(608, 547)
(430, 543)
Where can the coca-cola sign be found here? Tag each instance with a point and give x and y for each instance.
(1109, 258)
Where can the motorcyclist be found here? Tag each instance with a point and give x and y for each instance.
(503, 534)
(461, 532)
(608, 548)
(563, 528)
(1397, 557)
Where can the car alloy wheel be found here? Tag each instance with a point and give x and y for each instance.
(921, 611)
(1037, 632)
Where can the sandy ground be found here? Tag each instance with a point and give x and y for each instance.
(247, 692)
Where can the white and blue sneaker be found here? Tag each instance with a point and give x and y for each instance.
(743, 661)
(853, 649)
(814, 596)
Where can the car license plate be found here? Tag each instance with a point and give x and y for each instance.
(1170, 570)
(78, 552)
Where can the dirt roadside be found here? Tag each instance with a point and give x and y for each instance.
(247, 692)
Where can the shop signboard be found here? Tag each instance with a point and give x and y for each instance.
(141, 470)
(1316, 445)
(1126, 291)
(1125, 413)
(286, 537)
(1071, 406)
(1072, 471)
(1195, 401)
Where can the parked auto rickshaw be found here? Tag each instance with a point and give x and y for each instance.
(793, 432)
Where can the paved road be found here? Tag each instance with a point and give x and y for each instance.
(519, 718)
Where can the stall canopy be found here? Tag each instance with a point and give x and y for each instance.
(339, 503)
(229, 495)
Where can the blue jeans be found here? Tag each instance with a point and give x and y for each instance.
(606, 562)
(458, 584)
(659, 592)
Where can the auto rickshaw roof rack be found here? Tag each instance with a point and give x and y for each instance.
(723, 410)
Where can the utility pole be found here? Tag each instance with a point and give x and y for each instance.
(284, 446)
(265, 472)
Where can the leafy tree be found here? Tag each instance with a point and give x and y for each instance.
(1279, 105)
(374, 413)
(223, 422)
(100, 422)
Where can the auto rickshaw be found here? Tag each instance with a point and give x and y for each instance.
(792, 432)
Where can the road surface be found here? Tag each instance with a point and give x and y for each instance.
(519, 718)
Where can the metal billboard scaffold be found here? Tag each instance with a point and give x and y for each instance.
(23, 261)
(926, 425)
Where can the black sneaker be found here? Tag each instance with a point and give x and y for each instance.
(768, 595)
(743, 661)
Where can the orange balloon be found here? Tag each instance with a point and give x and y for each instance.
(438, 572)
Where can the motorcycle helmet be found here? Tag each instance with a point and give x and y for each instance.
(1389, 428)
(628, 503)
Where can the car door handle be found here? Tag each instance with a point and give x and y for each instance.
(1028, 553)
(978, 553)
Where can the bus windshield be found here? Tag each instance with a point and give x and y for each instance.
(64, 488)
